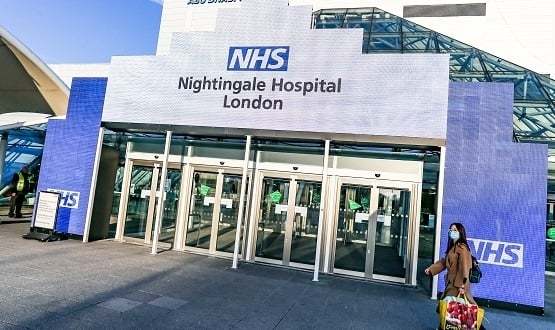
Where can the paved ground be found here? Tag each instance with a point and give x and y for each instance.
(111, 285)
(27, 211)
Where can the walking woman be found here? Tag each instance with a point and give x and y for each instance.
(458, 262)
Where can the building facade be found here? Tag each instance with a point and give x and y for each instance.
(263, 132)
(525, 36)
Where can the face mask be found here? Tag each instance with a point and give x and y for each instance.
(454, 235)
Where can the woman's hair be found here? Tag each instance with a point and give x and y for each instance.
(462, 236)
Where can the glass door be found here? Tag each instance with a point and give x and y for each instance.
(171, 206)
(229, 212)
(272, 221)
(392, 231)
(372, 231)
(287, 220)
(201, 214)
(142, 200)
(305, 222)
(353, 220)
(213, 211)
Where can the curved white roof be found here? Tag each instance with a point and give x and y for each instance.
(28, 85)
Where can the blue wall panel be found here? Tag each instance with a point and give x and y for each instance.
(498, 190)
(70, 150)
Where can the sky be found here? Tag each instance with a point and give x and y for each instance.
(83, 31)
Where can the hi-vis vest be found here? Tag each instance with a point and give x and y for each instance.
(20, 182)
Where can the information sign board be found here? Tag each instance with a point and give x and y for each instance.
(46, 210)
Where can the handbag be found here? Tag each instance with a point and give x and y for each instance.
(456, 313)
(475, 271)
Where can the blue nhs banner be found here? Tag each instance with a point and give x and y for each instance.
(501, 201)
(68, 199)
(271, 58)
(497, 253)
(70, 151)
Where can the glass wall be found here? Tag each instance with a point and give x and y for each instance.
(118, 141)
(428, 218)
(550, 217)
(146, 143)
(386, 33)
(200, 224)
(550, 238)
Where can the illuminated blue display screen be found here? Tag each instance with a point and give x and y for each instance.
(70, 151)
(498, 190)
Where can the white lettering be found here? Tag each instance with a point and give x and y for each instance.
(238, 56)
(263, 59)
(497, 252)
(68, 199)
(276, 56)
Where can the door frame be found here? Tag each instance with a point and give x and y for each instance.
(220, 171)
(371, 225)
(374, 186)
(293, 177)
(153, 198)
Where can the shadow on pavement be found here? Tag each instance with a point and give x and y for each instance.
(107, 284)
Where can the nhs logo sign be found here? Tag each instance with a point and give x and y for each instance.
(497, 253)
(271, 58)
(68, 199)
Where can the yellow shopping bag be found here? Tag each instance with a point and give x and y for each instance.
(456, 313)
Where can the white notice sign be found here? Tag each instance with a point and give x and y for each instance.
(281, 208)
(301, 210)
(208, 201)
(47, 210)
(228, 203)
(362, 217)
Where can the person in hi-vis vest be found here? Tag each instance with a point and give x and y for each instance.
(20, 188)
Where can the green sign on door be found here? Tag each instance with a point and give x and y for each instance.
(365, 202)
(204, 190)
(354, 205)
(551, 233)
(275, 197)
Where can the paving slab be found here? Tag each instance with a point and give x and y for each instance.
(140, 296)
(168, 303)
(119, 304)
(106, 284)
